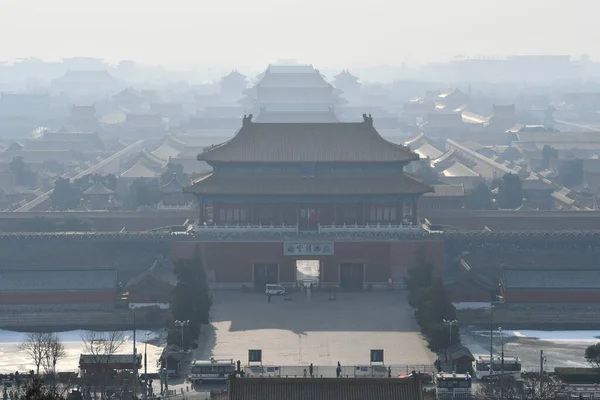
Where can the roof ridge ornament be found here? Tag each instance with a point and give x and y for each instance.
(368, 119)
(247, 119)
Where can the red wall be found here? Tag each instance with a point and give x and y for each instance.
(550, 296)
(458, 296)
(404, 254)
(57, 297)
(233, 262)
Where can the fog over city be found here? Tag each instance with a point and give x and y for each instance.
(355, 200)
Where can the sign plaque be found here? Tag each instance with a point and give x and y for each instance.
(308, 248)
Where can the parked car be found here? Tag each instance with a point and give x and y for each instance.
(274, 290)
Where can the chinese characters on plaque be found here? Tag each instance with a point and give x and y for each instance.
(308, 249)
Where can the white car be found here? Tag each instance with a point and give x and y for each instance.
(274, 290)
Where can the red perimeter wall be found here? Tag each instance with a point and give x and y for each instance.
(551, 296)
(57, 297)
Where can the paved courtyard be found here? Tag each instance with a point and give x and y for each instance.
(316, 330)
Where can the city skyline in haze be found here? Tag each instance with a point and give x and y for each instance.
(330, 34)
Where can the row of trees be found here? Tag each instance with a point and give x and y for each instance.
(67, 195)
(22, 173)
(142, 192)
(532, 386)
(509, 196)
(428, 296)
(191, 300)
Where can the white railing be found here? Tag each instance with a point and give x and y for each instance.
(188, 206)
(246, 228)
(368, 228)
(277, 228)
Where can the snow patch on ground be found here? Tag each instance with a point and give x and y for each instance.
(559, 336)
(12, 359)
(471, 305)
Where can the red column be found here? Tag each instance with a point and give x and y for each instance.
(201, 216)
(415, 212)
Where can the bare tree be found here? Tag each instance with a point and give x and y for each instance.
(54, 351)
(34, 346)
(531, 387)
(100, 347)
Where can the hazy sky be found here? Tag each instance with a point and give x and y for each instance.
(327, 33)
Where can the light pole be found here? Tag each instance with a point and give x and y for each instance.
(491, 339)
(495, 300)
(181, 324)
(135, 369)
(449, 324)
(146, 366)
(542, 361)
(125, 297)
(501, 362)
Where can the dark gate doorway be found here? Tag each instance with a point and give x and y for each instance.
(265, 274)
(351, 276)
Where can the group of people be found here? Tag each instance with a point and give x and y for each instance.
(10, 394)
(338, 370)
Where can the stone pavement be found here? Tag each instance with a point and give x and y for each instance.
(315, 330)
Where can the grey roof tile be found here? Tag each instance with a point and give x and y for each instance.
(307, 142)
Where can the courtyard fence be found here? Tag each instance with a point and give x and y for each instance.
(329, 371)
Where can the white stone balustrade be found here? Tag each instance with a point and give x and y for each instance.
(246, 228)
(346, 228)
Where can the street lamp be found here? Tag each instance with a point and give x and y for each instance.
(125, 297)
(501, 361)
(543, 360)
(146, 365)
(496, 299)
(181, 324)
(449, 324)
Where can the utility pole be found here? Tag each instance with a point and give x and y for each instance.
(146, 367)
(501, 363)
(135, 369)
(491, 339)
(449, 324)
(542, 361)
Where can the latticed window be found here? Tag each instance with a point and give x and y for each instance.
(233, 214)
(382, 214)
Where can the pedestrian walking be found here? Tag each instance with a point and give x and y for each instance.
(305, 372)
(389, 371)
(338, 370)
(310, 370)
